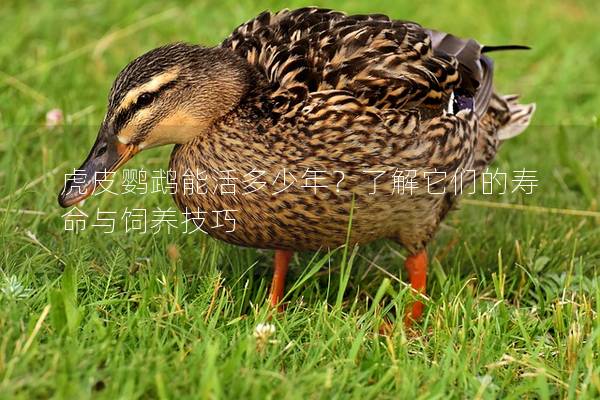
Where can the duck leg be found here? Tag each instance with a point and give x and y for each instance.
(282, 261)
(416, 265)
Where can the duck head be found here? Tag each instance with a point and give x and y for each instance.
(169, 95)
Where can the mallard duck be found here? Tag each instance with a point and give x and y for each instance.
(315, 90)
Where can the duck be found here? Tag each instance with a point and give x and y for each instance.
(358, 112)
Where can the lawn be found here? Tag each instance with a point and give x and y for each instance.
(513, 289)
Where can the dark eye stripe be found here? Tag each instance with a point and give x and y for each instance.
(123, 117)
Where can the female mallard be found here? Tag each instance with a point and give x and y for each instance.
(363, 101)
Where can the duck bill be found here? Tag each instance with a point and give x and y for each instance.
(107, 155)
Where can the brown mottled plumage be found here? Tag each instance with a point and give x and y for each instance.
(351, 94)
(315, 89)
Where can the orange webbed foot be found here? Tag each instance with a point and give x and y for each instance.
(416, 265)
(282, 261)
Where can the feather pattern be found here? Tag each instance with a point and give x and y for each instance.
(354, 94)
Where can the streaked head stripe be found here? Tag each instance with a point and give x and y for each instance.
(151, 86)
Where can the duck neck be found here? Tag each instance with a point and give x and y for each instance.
(221, 80)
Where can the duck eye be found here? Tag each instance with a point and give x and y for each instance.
(144, 99)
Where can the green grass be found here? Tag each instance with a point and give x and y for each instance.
(514, 295)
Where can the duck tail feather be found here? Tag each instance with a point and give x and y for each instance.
(520, 117)
(489, 49)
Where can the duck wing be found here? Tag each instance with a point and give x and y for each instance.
(387, 64)
(392, 91)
